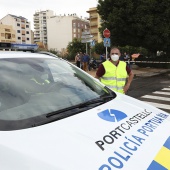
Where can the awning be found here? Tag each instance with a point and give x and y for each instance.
(135, 55)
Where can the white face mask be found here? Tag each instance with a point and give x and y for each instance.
(115, 57)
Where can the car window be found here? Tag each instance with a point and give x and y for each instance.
(31, 88)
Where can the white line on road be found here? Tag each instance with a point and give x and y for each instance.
(160, 92)
(161, 106)
(157, 97)
(166, 89)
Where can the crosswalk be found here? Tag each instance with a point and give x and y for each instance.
(159, 99)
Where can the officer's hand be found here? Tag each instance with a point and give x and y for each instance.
(126, 87)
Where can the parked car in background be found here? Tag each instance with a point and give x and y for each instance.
(55, 116)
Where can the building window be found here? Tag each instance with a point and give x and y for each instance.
(18, 31)
(19, 38)
(74, 24)
(7, 30)
(28, 39)
(78, 24)
(27, 32)
(27, 26)
(78, 30)
(7, 36)
(74, 35)
(18, 24)
(74, 30)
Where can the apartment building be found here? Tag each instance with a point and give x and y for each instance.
(40, 26)
(21, 27)
(63, 29)
(7, 33)
(95, 23)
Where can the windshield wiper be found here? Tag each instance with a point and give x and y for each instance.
(72, 110)
(87, 104)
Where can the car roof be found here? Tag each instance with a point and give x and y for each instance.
(21, 54)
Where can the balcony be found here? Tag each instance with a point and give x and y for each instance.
(7, 30)
(37, 27)
(22, 20)
(93, 16)
(36, 18)
(94, 31)
(93, 24)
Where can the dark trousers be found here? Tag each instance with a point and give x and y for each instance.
(78, 64)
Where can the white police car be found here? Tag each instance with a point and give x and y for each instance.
(54, 116)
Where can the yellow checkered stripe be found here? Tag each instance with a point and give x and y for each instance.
(162, 159)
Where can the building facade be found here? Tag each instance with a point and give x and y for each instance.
(95, 23)
(40, 26)
(7, 33)
(21, 27)
(63, 29)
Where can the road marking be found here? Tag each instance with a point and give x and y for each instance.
(166, 89)
(162, 106)
(156, 97)
(160, 92)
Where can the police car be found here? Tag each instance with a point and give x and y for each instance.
(54, 116)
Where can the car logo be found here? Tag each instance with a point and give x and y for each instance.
(112, 115)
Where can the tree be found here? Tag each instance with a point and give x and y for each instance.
(138, 23)
(74, 47)
(99, 48)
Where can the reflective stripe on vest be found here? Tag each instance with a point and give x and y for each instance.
(114, 77)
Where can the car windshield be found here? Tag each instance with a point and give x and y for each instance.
(32, 88)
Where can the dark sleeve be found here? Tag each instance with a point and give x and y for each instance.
(128, 70)
(101, 71)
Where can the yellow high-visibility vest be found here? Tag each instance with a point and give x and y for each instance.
(114, 77)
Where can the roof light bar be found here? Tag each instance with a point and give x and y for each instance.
(27, 47)
(20, 47)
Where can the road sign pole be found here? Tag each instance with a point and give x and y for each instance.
(86, 48)
(106, 53)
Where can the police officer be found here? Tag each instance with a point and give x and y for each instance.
(114, 73)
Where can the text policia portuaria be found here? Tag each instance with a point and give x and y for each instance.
(114, 134)
(130, 144)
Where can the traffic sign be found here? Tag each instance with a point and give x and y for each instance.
(85, 33)
(106, 42)
(86, 40)
(92, 44)
(87, 36)
(106, 33)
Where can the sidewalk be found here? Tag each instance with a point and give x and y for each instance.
(140, 72)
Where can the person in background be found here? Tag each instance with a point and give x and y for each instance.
(77, 60)
(81, 59)
(103, 57)
(114, 73)
(86, 59)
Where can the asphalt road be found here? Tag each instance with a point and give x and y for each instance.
(154, 90)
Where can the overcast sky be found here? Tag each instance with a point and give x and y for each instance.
(27, 8)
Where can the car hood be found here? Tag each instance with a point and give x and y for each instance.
(122, 134)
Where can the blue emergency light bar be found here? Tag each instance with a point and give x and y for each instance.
(20, 47)
(27, 47)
